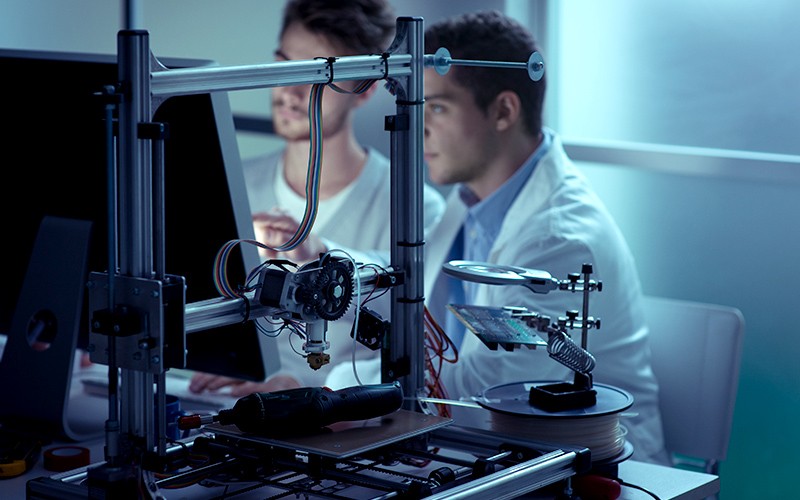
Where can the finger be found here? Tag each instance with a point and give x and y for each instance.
(282, 221)
(272, 217)
(198, 382)
(219, 382)
(246, 388)
(280, 383)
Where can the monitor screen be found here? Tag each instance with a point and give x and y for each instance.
(54, 145)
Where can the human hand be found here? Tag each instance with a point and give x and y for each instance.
(280, 383)
(275, 228)
(209, 382)
(239, 388)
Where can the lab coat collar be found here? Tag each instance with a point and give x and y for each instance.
(536, 192)
(534, 195)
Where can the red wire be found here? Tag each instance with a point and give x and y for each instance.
(437, 343)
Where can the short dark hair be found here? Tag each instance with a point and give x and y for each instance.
(357, 26)
(490, 36)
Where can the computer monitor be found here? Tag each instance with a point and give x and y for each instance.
(55, 165)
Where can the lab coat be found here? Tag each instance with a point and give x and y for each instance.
(556, 224)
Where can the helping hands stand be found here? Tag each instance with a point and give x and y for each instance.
(560, 346)
(579, 393)
(546, 401)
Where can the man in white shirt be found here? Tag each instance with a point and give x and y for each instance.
(354, 190)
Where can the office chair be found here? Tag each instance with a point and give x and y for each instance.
(696, 356)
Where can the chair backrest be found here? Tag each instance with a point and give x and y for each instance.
(697, 351)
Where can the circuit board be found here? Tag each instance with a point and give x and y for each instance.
(499, 326)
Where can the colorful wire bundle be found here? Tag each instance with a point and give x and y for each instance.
(221, 282)
(362, 87)
(315, 159)
(312, 192)
(314, 170)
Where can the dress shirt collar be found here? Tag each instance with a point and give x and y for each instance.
(484, 217)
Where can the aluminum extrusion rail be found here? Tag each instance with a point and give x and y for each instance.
(182, 81)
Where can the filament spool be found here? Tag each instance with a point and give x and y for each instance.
(596, 427)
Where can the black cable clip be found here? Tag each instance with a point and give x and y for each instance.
(330, 61)
(385, 59)
(246, 317)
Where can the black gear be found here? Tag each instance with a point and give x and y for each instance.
(335, 283)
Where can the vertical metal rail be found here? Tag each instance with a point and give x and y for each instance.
(135, 213)
(112, 425)
(404, 358)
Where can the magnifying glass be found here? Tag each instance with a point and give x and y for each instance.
(497, 274)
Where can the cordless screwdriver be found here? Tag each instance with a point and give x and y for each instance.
(303, 409)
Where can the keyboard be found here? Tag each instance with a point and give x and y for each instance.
(177, 384)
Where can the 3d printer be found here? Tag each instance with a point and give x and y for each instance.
(407, 453)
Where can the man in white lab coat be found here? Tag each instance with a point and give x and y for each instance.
(518, 200)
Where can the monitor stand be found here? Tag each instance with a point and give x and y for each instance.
(37, 363)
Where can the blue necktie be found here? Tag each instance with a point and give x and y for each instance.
(452, 326)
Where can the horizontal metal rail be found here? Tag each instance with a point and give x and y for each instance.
(182, 81)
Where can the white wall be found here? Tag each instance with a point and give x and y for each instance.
(728, 242)
(712, 74)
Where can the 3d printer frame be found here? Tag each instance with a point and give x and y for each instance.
(143, 85)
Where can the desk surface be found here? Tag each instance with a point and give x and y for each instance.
(666, 482)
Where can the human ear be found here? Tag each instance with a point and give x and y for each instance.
(506, 110)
